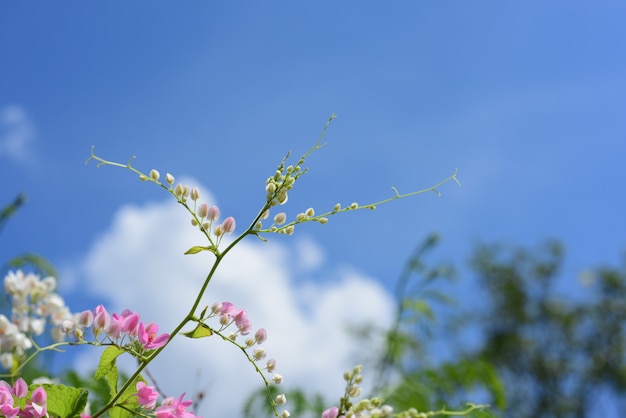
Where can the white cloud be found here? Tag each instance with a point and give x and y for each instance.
(139, 264)
(17, 132)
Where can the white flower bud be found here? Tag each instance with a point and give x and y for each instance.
(277, 378)
(258, 353)
(310, 212)
(203, 210)
(337, 207)
(6, 359)
(37, 326)
(79, 334)
(280, 218)
(170, 179)
(354, 205)
(194, 194)
(67, 326)
(213, 213)
(354, 391)
(271, 365)
(49, 283)
(154, 174)
(281, 399)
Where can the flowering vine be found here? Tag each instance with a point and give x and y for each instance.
(34, 304)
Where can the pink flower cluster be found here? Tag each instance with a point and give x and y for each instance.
(170, 407)
(229, 314)
(35, 406)
(117, 327)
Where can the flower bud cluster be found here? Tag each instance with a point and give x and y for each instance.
(278, 185)
(206, 215)
(170, 407)
(35, 406)
(125, 329)
(34, 303)
(373, 407)
(228, 314)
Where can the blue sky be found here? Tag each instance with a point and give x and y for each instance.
(525, 98)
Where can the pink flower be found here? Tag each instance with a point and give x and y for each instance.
(129, 320)
(115, 327)
(20, 388)
(260, 336)
(9, 411)
(229, 309)
(148, 337)
(229, 225)
(146, 395)
(85, 319)
(6, 401)
(174, 408)
(330, 412)
(101, 319)
(36, 406)
(243, 323)
(203, 210)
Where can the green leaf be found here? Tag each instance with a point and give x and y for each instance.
(107, 368)
(64, 401)
(196, 249)
(200, 331)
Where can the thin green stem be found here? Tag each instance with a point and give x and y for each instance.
(322, 218)
(470, 408)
